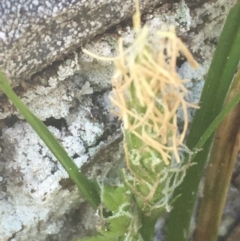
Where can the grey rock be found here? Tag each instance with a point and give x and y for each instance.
(33, 34)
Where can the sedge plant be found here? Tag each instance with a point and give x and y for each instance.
(147, 94)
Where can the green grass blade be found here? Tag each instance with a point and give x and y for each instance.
(87, 188)
(222, 160)
(213, 126)
(221, 72)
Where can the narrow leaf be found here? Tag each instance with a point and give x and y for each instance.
(219, 172)
(87, 188)
(221, 72)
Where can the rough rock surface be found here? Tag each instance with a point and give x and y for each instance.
(40, 50)
(35, 33)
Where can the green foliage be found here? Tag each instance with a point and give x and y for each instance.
(114, 197)
(123, 223)
(219, 78)
(117, 200)
(218, 175)
(97, 238)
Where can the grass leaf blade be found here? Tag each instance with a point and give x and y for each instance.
(86, 187)
(221, 72)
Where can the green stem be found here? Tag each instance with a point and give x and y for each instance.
(148, 226)
(87, 188)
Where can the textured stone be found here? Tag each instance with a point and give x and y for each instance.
(33, 34)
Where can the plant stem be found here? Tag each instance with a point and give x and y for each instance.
(219, 172)
(148, 226)
(219, 78)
